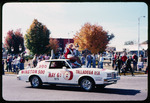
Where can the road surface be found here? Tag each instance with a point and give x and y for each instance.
(127, 89)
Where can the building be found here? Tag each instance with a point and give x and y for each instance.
(110, 49)
(63, 42)
(130, 49)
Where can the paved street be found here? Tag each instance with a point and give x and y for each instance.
(128, 88)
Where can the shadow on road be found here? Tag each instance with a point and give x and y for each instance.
(78, 89)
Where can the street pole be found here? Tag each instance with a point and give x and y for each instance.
(68, 38)
(139, 34)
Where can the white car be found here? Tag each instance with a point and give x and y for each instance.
(62, 71)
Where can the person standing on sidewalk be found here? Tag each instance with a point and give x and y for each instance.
(101, 60)
(118, 64)
(22, 61)
(35, 60)
(18, 62)
(128, 65)
(135, 60)
(94, 61)
(89, 60)
(9, 62)
(3, 71)
(46, 57)
(140, 62)
(114, 60)
(14, 62)
(124, 58)
(83, 59)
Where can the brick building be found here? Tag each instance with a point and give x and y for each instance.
(63, 42)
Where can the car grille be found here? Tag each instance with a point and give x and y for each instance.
(114, 75)
(111, 75)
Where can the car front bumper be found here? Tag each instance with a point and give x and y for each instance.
(108, 81)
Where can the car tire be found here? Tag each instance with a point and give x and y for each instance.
(87, 84)
(35, 82)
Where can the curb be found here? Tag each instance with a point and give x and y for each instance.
(139, 73)
(10, 73)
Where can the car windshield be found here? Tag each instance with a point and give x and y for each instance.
(73, 64)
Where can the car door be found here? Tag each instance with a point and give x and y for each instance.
(54, 72)
(59, 72)
(67, 74)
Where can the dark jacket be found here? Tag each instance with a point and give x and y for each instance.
(119, 62)
(135, 58)
(128, 62)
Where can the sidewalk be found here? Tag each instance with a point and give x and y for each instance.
(128, 73)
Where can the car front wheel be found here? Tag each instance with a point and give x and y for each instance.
(87, 84)
(35, 82)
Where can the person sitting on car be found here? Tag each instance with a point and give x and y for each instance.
(70, 55)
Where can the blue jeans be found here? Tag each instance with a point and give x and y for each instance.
(18, 65)
(134, 66)
(21, 66)
(94, 64)
(10, 67)
(100, 65)
(88, 63)
(14, 68)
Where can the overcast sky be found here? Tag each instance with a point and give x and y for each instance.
(64, 19)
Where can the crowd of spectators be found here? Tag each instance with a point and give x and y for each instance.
(121, 63)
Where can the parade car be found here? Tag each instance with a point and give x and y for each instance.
(62, 71)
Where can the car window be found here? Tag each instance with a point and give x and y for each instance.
(58, 65)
